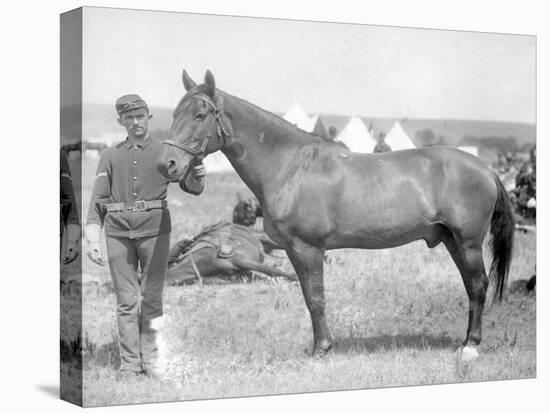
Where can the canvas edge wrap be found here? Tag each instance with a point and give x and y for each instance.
(71, 43)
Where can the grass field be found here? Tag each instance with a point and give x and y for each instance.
(397, 317)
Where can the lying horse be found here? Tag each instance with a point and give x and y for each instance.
(318, 196)
(221, 250)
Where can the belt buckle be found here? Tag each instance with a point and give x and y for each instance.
(141, 205)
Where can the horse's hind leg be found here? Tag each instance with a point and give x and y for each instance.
(308, 263)
(469, 260)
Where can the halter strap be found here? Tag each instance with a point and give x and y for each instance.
(217, 110)
(194, 151)
(221, 129)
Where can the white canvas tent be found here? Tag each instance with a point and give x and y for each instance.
(470, 149)
(297, 116)
(356, 136)
(398, 139)
(318, 127)
(217, 162)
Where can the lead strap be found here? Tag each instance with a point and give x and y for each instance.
(195, 268)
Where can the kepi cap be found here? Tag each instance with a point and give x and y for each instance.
(128, 103)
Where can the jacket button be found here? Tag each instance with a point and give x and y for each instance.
(135, 178)
(135, 162)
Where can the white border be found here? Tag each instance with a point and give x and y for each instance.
(30, 102)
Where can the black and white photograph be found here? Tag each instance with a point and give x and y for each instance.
(276, 207)
(288, 206)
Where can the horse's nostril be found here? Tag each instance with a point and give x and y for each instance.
(171, 164)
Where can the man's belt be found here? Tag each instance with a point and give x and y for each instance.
(140, 205)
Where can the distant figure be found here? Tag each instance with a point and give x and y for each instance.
(524, 286)
(533, 156)
(382, 146)
(502, 164)
(246, 211)
(526, 191)
(332, 132)
(532, 283)
(527, 178)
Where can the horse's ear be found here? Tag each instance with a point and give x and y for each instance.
(210, 83)
(188, 83)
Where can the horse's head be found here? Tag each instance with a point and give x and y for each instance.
(200, 127)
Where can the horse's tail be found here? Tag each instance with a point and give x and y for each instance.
(502, 232)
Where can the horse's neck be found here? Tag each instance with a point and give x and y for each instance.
(263, 144)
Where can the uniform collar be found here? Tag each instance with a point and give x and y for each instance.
(129, 144)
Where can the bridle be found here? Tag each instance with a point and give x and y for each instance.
(223, 131)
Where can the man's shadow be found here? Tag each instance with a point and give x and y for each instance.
(388, 342)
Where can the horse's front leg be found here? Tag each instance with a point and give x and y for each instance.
(308, 263)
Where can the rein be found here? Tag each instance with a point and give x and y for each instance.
(221, 129)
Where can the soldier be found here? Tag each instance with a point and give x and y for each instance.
(526, 177)
(332, 133)
(68, 220)
(129, 201)
(526, 188)
(381, 146)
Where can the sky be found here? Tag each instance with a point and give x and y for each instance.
(329, 68)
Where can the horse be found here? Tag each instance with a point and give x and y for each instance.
(317, 196)
(220, 250)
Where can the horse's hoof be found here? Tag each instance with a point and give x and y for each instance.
(468, 354)
(319, 353)
(321, 350)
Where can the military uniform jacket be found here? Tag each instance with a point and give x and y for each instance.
(128, 173)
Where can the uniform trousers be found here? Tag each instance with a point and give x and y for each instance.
(139, 296)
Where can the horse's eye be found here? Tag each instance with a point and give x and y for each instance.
(200, 116)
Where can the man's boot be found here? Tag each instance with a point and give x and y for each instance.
(152, 348)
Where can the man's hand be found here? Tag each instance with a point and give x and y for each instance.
(94, 253)
(93, 235)
(71, 249)
(198, 171)
(71, 252)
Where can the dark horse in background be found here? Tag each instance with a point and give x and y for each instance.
(318, 196)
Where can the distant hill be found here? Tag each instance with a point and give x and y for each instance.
(99, 123)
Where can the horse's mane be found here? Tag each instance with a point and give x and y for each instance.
(283, 122)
